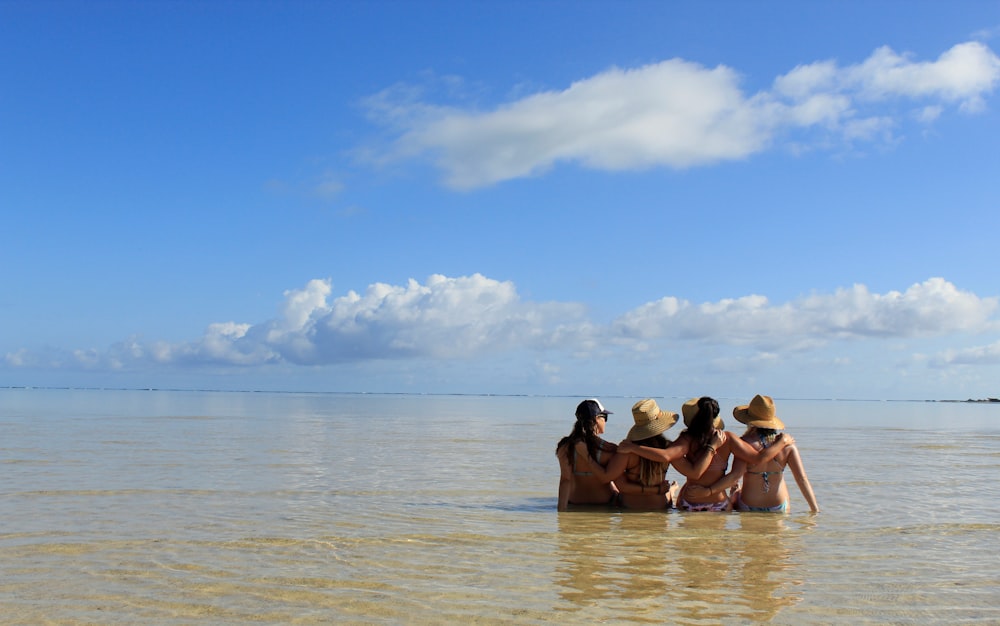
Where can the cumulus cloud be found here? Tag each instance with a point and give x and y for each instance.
(679, 114)
(932, 307)
(445, 318)
(469, 317)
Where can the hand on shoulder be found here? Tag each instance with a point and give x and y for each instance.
(718, 438)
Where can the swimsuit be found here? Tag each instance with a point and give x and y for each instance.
(767, 484)
(719, 463)
(766, 475)
(615, 500)
(778, 508)
(702, 506)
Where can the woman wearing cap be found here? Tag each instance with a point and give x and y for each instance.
(642, 481)
(583, 457)
(764, 487)
(705, 429)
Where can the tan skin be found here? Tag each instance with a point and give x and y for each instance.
(731, 444)
(752, 493)
(578, 488)
(636, 495)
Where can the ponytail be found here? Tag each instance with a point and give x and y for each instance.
(703, 424)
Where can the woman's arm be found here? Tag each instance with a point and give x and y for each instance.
(721, 485)
(799, 472)
(653, 454)
(746, 452)
(666, 455)
(694, 470)
(622, 481)
(586, 463)
(565, 479)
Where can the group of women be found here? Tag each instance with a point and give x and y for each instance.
(632, 474)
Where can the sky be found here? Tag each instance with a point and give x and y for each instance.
(726, 198)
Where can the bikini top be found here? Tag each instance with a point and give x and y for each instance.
(767, 475)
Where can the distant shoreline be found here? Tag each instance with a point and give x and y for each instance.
(472, 394)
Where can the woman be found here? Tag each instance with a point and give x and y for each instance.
(704, 429)
(583, 457)
(645, 486)
(764, 488)
(642, 480)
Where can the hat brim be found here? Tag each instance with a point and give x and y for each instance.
(690, 409)
(653, 427)
(742, 415)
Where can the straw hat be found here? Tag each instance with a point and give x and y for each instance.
(690, 409)
(649, 420)
(759, 413)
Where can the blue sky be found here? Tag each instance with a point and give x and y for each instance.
(639, 198)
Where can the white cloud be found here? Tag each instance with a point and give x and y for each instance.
(933, 307)
(962, 74)
(679, 114)
(474, 317)
(979, 355)
(446, 318)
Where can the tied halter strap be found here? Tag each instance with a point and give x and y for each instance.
(766, 475)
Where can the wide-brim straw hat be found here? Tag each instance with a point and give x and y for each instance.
(690, 409)
(759, 413)
(650, 420)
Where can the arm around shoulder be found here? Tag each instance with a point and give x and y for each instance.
(586, 463)
(744, 451)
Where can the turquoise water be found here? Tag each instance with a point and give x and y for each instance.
(173, 507)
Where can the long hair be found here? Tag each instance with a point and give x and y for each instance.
(583, 430)
(703, 423)
(652, 472)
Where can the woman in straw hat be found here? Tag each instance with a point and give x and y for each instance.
(705, 429)
(764, 487)
(642, 482)
(583, 457)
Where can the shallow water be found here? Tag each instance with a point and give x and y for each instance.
(171, 507)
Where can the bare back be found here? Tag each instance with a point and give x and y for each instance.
(578, 484)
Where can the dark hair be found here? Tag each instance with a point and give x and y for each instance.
(651, 472)
(583, 430)
(703, 423)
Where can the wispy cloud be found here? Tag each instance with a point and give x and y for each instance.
(472, 316)
(679, 114)
(978, 355)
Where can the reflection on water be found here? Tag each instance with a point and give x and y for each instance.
(142, 507)
(691, 566)
(585, 548)
(765, 547)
